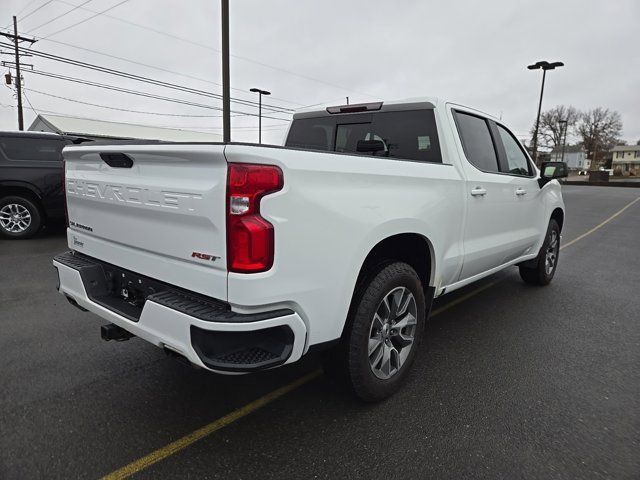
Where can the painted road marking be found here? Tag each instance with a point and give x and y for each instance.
(182, 443)
(600, 225)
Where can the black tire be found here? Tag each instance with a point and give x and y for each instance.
(23, 231)
(350, 361)
(536, 272)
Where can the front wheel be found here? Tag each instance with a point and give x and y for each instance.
(546, 263)
(385, 328)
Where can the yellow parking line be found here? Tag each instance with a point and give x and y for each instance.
(463, 298)
(182, 443)
(600, 225)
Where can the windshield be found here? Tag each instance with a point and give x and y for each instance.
(410, 135)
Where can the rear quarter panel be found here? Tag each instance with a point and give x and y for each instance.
(332, 211)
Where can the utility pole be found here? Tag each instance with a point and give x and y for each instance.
(16, 38)
(260, 93)
(226, 90)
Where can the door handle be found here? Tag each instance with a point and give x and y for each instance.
(520, 191)
(478, 192)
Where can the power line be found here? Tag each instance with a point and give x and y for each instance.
(85, 20)
(25, 7)
(153, 67)
(208, 47)
(29, 102)
(22, 10)
(35, 10)
(175, 127)
(120, 73)
(75, 7)
(50, 56)
(121, 109)
(142, 94)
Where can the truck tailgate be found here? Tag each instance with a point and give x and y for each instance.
(163, 216)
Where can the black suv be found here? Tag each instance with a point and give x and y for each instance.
(31, 181)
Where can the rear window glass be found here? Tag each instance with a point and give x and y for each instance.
(410, 135)
(477, 142)
(41, 149)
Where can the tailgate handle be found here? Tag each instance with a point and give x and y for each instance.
(117, 160)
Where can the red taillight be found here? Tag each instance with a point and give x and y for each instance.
(250, 244)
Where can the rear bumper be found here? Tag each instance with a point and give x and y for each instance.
(206, 334)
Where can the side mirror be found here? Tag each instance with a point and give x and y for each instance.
(551, 170)
(370, 146)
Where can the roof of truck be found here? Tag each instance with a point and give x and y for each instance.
(417, 102)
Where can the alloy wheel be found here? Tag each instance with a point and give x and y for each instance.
(551, 256)
(15, 218)
(392, 332)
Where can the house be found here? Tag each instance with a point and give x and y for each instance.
(574, 155)
(103, 130)
(626, 160)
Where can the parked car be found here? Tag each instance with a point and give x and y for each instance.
(242, 257)
(31, 181)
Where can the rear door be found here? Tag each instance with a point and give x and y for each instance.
(158, 210)
(491, 235)
(36, 161)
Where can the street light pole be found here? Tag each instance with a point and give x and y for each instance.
(260, 93)
(564, 123)
(226, 88)
(544, 66)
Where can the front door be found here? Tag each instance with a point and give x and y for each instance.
(499, 203)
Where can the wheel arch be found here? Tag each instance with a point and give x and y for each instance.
(412, 248)
(20, 188)
(558, 216)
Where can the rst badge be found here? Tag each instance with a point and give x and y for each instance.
(204, 256)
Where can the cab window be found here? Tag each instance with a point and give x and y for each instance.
(477, 142)
(516, 160)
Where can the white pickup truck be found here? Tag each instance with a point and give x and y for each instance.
(241, 257)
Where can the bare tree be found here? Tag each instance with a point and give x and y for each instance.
(599, 129)
(551, 131)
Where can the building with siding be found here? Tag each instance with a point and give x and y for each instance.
(103, 130)
(626, 160)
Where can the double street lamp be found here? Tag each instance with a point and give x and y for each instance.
(260, 93)
(544, 66)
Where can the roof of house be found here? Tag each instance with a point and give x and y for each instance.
(101, 128)
(568, 149)
(626, 148)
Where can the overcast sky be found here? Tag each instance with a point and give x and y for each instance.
(320, 51)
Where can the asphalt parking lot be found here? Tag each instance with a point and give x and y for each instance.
(512, 381)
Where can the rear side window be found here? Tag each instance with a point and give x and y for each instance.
(517, 163)
(25, 148)
(410, 135)
(477, 141)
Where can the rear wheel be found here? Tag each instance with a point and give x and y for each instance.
(545, 264)
(20, 217)
(384, 331)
